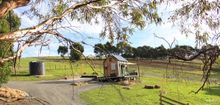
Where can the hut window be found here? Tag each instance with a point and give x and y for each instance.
(113, 66)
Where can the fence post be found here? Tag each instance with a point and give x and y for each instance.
(160, 98)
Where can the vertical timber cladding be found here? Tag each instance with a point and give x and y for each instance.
(36, 68)
(114, 66)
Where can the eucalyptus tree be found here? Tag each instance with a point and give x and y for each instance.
(119, 18)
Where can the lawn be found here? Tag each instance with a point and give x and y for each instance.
(176, 89)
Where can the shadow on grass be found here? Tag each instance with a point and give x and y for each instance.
(20, 75)
(216, 70)
(213, 90)
(57, 82)
(215, 74)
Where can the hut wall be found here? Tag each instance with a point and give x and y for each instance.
(110, 67)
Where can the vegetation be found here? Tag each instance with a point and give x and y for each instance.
(147, 52)
(137, 15)
(76, 51)
(137, 95)
(56, 68)
(8, 23)
(62, 50)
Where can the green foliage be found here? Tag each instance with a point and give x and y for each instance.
(13, 20)
(199, 18)
(76, 51)
(5, 71)
(127, 51)
(62, 50)
(4, 26)
(112, 14)
(59, 9)
(99, 49)
(182, 51)
(161, 52)
(8, 23)
(105, 49)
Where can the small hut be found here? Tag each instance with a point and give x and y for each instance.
(115, 66)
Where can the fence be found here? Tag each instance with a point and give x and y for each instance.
(168, 101)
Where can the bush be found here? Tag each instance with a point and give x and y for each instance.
(5, 70)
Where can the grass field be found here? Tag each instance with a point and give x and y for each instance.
(183, 78)
(56, 68)
(137, 95)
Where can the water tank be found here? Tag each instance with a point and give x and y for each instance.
(36, 68)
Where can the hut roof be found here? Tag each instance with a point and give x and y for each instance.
(120, 58)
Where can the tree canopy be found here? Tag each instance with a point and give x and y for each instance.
(62, 50)
(119, 18)
(76, 51)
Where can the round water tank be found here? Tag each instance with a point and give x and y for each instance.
(36, 68)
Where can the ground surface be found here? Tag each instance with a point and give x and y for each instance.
(55, 92)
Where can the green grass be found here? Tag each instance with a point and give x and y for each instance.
(175, 89)
(56, 68)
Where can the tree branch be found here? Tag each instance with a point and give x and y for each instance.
(28, 43)
(20, 33)
(8, 5)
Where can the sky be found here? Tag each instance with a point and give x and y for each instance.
(139, 37)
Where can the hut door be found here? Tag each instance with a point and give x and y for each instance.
(122, 70)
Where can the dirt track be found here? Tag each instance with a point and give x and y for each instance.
(56, 92)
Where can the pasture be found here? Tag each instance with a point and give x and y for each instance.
(137, 95)
(56, 68)
(178, 80)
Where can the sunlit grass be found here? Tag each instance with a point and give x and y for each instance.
(56, 68)
(137, 95)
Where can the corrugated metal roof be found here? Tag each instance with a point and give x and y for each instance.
(120, 58)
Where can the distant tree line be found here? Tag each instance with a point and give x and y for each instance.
(147, 52)
(127, 51)
(76, 51)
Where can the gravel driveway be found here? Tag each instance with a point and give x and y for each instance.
(56, 92)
